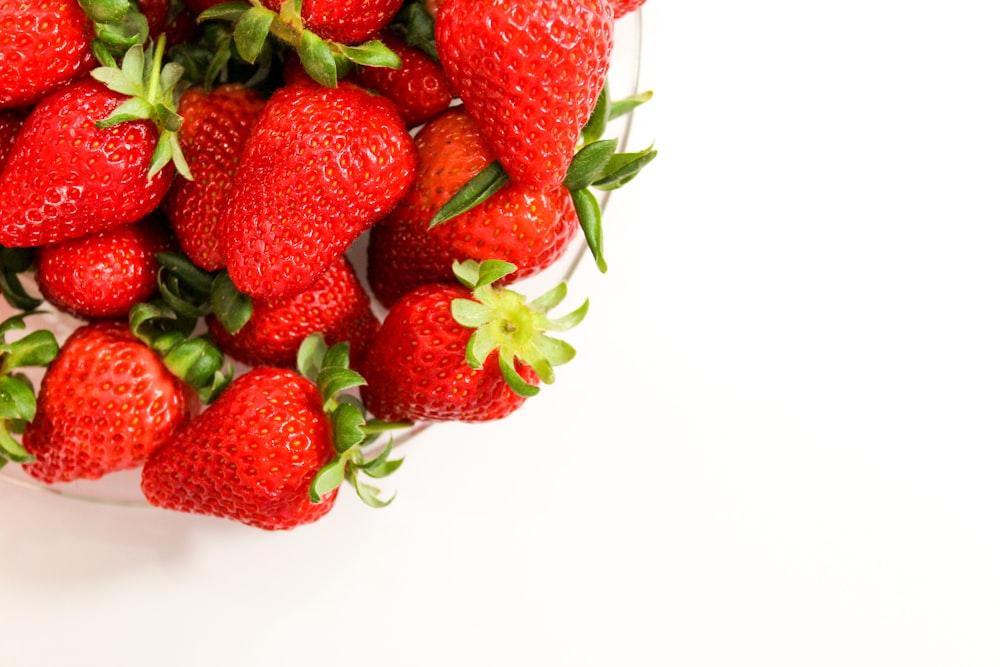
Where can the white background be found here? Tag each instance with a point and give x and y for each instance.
(777, 446)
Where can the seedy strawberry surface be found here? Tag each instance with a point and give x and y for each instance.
(336, 306)
(529, 73)
(105, 404)
(418, 88)
(623, 7)
(416, 368)
(250, 456)
(344, 21)
(520, 224)
(102, 275)
(216, 125)
(43, 45)
(11, 121)
(321, 166)
(65, 178)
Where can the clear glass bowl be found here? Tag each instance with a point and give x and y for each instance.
(122, 488)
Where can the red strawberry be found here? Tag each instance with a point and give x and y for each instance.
(11, 121)
(84, 160)
(264, 452)
(105, 404)
(418, 87)
(102, 275)
(623, 7)
(216, 125)
(336, 305)
(530, 73)
(519, 224)
(344, 21)
(43, 45)
(469, 352)
(321, 166)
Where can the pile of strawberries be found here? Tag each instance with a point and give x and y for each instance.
(186, 179)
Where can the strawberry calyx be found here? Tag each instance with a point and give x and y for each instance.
(595, 165)
(13, 262)
(507, 323)
(192, 292)
(325, 61)
(353, 433)
(17, 396)
(150, 87)
(118, 26)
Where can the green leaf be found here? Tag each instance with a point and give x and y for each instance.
(329, 477)
(588, 164)
(225, 11)
(627, 104)
(11, 449)
(338, 355)
(37, 348)
(347, 422)
(622, 168)
(372, 53)
(557, 352)
(333, 380)
(134, 108)
(598, 121)
(309, 359)
(251, 32)
(116, 38)
(193, 276)
(231, 306)
(368, 494)
(318, 59)
(105, 11)
(567, 322)
(476, 190)
(17, 399)
(469, 313)
(514, 380)
(550, 299)
(588, 211)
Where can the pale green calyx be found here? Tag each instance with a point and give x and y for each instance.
(506, 322)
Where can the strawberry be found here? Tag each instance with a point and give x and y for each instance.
(418, 87)
(43, 45)
(216, 125)
(336, 305)
(623, 7)
(11, 121)
(344, 21)
(102, 275)
(105, 404)
(530, 73)
(264, 453)
(83, 163)
(320, 167)
(527, 227)
(470, 352)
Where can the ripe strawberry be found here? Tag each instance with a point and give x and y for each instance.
(11, 121)
(623, 7)
(418, 87)
(43, 45)
(102, 275)
(336, 306)
(265, 453)
(105, 404)
(469, 352)
(81, 164)
(321, 166)
(344, 21)
(530, 73)
(527, 227)
(216, 125)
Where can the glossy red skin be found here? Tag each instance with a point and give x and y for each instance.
(528, 227)
(65, 178)
(419, 87)
(415, 367)
(321, 166)
(102, 275)
(336, 305)
(623, 7)
(105, 404)
(216, 126)
(250, 456)
(43, 44)
(529, 72)
(345, 21)
(11, 121)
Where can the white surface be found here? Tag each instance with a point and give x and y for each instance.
(778, 444)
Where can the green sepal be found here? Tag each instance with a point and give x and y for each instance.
(14, 261)
(347, 422)
(381, 466)
(597, 124)
(11, 449)
(225, 11)
(200, 364)
(626, 105)
(37, 348)
(319, 61)
(310, 355)
(589, 163)
(514, 380)
(476, 190)
(622, 168)
(332, 380)
(17, 398)
(372, 53)
(475, 274)
(105, 11)
(116, 38)
(417, 25)
(588, 211)
(232, 307)
(327, 479)
(251, 31)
